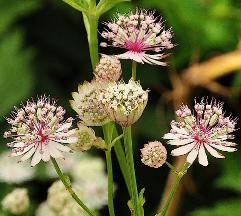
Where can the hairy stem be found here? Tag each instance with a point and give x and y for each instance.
(69, 188)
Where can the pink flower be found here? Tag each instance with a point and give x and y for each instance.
(38, 128)
(205, 130)
(139, 32)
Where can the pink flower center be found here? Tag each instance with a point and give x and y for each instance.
(43, 137)
(135, 46)
(201, 134)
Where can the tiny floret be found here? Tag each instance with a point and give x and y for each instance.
(85, 102)
(108, 69)
(204, 129)
(123, 102)
(154, 154)
(16, 202)
(39, 130)
(141, 34)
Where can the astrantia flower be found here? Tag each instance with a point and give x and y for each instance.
(154, 154)
(87, 105)
(108, 69)
(207, 129)
(38, 129)
(141, 34)
(124, 102)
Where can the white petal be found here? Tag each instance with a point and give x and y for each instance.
(180, 142)
(65, 126)
(45, 155)
(18, 145)
(26, 149)
(202, 157)
(223, 148)
(182, 150)
(37, 156)
(60, 147)
(169, 136)
(55, 153)
(179, 130)
(28, 154)
(213, 152)
(72, 139)
(192, 155)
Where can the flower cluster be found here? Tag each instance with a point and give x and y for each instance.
(16, 202)
(124, 103)
(108, 69)
(154, 154)
(207, 129)
(38, 128)
(85, 102)
(139, 32)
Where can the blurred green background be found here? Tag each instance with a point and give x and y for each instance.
(44, 50)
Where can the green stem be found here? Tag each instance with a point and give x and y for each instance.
(110, 183)
(174, 189)
(122, 161)
(69, 188)
(91, 25)
(108, 132)
(130, 163)
(171, 167)
(134, 65)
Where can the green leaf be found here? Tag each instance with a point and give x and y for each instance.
(15, 71)
(10, 10)
(105, 5)
(231, 175)
(79, 5)
(225, 208)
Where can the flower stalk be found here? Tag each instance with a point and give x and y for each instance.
(69, 188)
(134, 65)
(179, 176)
(130, 163)
(108, 132)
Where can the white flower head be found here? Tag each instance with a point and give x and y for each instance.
(39, 129)
(44, 210)
(16, 202)
(85, 102)
(141, 34)
(154, 154)
(90, 177)
(13, 172)
(108, 69)
(206, 129)
(124, 103)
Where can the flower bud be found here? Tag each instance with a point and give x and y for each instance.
(86, 137)
(154, 154)
(108, 69)
(124, 103)
(16, 202)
